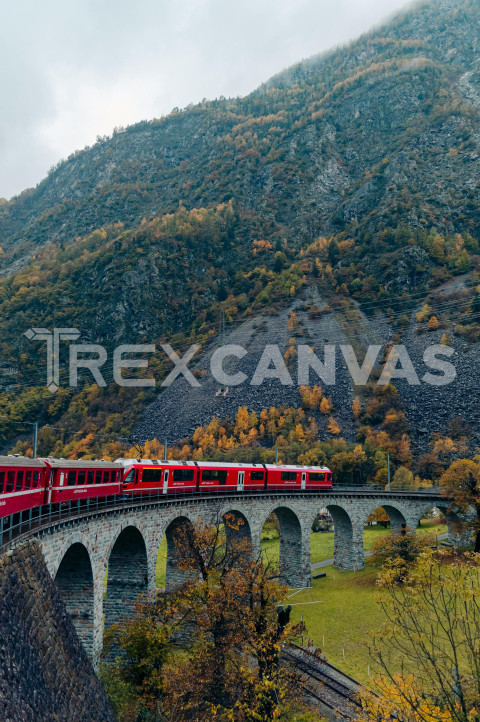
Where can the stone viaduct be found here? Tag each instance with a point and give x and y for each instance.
(125, 541)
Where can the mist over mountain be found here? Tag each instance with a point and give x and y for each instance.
(351, 177)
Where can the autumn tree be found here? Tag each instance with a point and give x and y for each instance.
(399, 550)
(325, 406)
(356, 407)
(311, 397)
(433, 324)
(433, 630)
(333, 428)
(391, 702)
(461, 483)
(403, 479)
(379, 516)
(227, 607)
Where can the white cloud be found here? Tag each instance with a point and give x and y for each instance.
(73, 71)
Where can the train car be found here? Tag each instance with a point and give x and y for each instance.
(22, 484)
(220, 477)
(72, 480)
(158, 476)
(318, 478)
(150, 475)
(162, 476)
(298, 478)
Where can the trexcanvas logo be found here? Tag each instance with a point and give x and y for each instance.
(271, 364)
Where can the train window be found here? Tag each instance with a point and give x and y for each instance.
(183, 474)
(151, 476)
(2, 481)
(288, 476)
(19, 480)
(36, 479)
(28, 479)
(329, 477)
(10, 480)
(72, 477)
(256, 476)
(316, 476)
(129, 477)
(81, 477)
(90, 474)
(219, 475)
(98, 476)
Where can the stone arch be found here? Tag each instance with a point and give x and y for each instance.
(347, 540)
(175, 576)
(54, 555)
(457, 534)
(239, 530)
(397, 516)
(127, 574)
(74, 579)
(292, 564)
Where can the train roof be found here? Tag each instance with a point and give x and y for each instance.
(170, 462)
(293, 467)
(219, 464)
(15, 460)
(80, 464)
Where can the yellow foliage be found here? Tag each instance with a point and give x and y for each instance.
(391, 703)
(242, 420)
(311, 396)
(433, 324)
(326, 407)
(424, 313)
(356, 407)
(261, 246)
(333, 428)
(293, 321)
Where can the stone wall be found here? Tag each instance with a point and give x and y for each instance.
(45, 673)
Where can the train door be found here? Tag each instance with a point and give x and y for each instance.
(50, 486)
(304, 479)
(241, 480)
(165, 481)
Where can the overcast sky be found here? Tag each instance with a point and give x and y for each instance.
(75, 69)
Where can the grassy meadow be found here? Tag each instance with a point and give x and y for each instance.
(341, 610)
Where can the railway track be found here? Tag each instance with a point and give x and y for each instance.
(335, 691)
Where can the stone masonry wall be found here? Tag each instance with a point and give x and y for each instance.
(45, 673)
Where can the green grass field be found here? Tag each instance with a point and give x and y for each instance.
(340, 611)
(321, 543)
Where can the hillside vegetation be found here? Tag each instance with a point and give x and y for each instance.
(354, 173)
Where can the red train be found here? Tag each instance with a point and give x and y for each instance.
(29, 484)
(190, 476)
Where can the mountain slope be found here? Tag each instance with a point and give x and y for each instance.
(358, 135)
(354, 174)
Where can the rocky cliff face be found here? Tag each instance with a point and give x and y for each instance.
(44, 671)
(180, 409)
